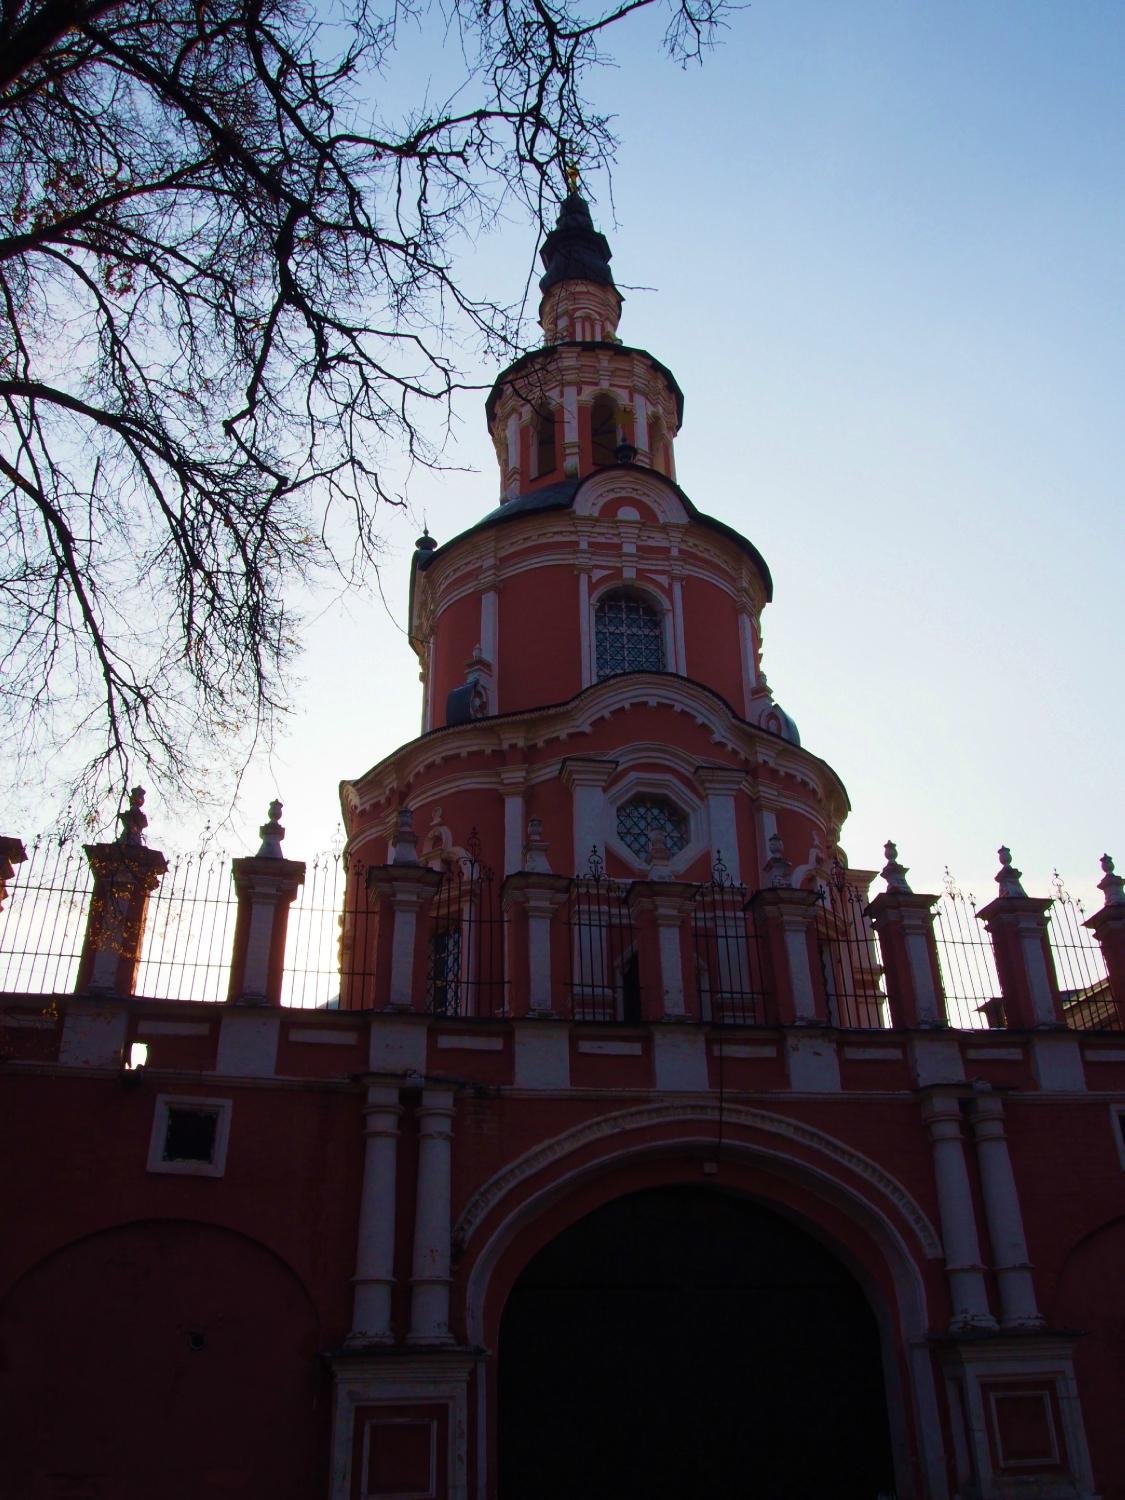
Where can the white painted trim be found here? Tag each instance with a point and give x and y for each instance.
(643, 1117)
(220, 1108)
(173, 1028)
(466, 1043)
(323, 1037)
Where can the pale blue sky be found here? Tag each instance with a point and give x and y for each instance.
(885, 246)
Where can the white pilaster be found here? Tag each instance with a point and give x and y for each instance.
(570, 430)
(721, 784)
(490, 639)
(640, 426)
(587, 781)
(375, 1246)
(429, 1296)
(963, 1268)
(513, 779)
(749, 659)
(1018, 1307)
(678, 626)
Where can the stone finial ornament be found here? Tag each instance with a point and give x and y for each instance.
(1112, 885)
(271, 834)
(405, 847)
(133, 821)
(1008, 877)
(535, 848)
(658, 857)
(778, 870)
(894, 873)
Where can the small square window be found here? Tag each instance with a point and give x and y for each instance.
(189, 1135)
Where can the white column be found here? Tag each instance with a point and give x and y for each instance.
(570, 429)
(586, 780)
(721, 785)
(640, 426)
(669, 912)
(968, 1293)
(375, 1248)
(585, 640)
(1018, 1307)
(541, 908)
(749, 657)
(513, 779)
(490, 637)
(678, 625)
(429, 1276)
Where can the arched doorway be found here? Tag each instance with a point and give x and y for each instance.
(685, 1344)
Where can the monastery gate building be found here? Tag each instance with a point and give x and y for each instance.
(642, 1153)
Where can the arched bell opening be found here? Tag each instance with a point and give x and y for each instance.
(685, 1342)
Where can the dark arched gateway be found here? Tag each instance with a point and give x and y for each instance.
(684, 1344)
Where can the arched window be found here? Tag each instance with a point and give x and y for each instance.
(603, 430)
(628, 635)
(545, 456)
(641, 817)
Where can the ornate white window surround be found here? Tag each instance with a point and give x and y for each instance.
(161, 1156)
(654, 784)
(649, 594)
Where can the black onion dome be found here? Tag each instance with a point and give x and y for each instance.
(574, 250)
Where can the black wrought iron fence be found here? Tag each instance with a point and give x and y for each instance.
(727, 953)
(466, 947)
(1088, 1002)
(966, 961)
(604, 972)
(849, 957)
(43, 920)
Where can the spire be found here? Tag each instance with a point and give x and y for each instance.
(574, 250)
(580, 302)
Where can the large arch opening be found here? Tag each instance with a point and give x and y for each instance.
(683, 1342)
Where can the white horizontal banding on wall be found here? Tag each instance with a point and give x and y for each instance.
(612, 1049)
(173, 1028)
(324, 1038)
(472, 1043)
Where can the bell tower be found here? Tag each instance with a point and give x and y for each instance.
(591, 648)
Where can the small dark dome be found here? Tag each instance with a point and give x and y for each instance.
(425, 543)
(574, 250)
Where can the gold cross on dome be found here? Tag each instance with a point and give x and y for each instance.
(570, 172)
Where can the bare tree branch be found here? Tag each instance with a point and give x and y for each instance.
(228, 294)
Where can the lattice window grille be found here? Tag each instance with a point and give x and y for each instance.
(628, 635)
(640, 818)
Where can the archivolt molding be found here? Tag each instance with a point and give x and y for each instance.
(647, 1116)
(785, 766)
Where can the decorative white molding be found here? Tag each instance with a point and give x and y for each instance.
(647, 1117)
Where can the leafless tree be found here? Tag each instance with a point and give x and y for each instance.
(229, 291)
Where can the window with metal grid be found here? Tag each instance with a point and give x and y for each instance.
(641, 817)
(628, 635)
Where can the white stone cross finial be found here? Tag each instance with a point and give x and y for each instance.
(892, 872)
(1111, 885)
(1008, 877)
(272, 833)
